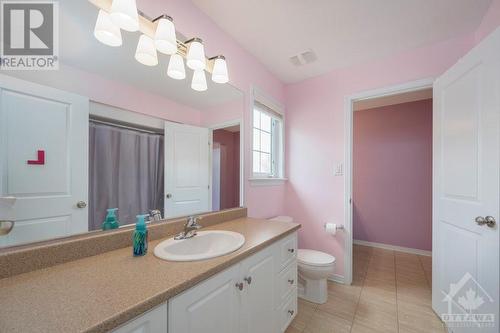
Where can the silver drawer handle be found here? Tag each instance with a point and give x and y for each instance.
(291, 281)
(239, 286)
(291, 250)
(248, 280)
(291, 312)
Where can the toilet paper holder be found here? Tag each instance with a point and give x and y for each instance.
(338, 226)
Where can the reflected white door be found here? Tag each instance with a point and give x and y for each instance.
(48, 185)
(187, 170)
(466, 186)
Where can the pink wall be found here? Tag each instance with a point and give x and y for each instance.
(315, 128)
(230, 168)
(392, 175)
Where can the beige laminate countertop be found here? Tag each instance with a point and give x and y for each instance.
(99, 293)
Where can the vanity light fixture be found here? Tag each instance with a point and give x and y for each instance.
(219, 72)
(176, 68)
(165, 38)
(157, 35)
(146, 51)
(196, 54)
(106, 31)
(199, 82)
(124, 14)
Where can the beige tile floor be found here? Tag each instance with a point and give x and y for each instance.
(391, 292)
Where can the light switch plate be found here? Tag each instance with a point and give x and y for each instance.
(339, 169)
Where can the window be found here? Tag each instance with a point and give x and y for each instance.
(267, 148)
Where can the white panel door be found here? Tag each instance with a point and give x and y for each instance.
(36, 118)
(466, 186)
(187, 170)
(212, 306)
(259, 307)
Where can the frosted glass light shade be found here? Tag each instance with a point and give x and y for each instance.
(196, 55)
(176, 68)
(124, 14)
(146, 51)
(219, 72)
(199, 82)
(106, 31)
(165, 38)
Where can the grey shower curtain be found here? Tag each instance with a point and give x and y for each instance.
(126, 172)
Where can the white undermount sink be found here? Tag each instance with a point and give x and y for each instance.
(205, 245)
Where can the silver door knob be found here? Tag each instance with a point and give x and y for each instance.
(169, 196)
(81, 204)
(490, 221)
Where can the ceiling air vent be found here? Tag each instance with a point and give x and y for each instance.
(303, 58)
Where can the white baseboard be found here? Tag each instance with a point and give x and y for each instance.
(336, 278)
(393, 247)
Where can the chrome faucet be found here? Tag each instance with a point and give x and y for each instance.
(155, 215)
(189, 228)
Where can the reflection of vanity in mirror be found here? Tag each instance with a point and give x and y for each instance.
(74, 143)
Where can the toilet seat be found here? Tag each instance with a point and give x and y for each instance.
(314, 258)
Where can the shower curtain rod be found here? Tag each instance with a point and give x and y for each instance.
(133, 128)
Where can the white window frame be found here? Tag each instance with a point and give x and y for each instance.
(275, 111)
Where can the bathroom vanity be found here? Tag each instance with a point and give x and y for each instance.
(258, 294)
(253, 289)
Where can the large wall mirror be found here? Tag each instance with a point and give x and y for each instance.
(104, 132)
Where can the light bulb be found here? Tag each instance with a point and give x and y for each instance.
(176, 68)
(165, 38)
(124, 14)
(146, 51)
(199, 82)
(196, 55)
(219, 72)
(106, 31)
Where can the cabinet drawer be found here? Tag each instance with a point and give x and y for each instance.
(286, 282)
(288, 250)
(288, 311)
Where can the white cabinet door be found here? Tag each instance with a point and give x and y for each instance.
(187, 170)
(259, 310)
(212, 306)
(154, 321)
(43, 160)
(466, 188)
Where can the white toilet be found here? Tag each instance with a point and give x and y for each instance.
(314, 268)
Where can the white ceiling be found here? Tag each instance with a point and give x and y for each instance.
(340, 32)
(79, 48)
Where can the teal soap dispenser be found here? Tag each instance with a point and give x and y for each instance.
(111, 221)
(140, 237)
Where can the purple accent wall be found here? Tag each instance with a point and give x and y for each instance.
(230, 167)
(392, 169)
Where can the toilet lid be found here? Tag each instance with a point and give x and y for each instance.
(314, 258)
